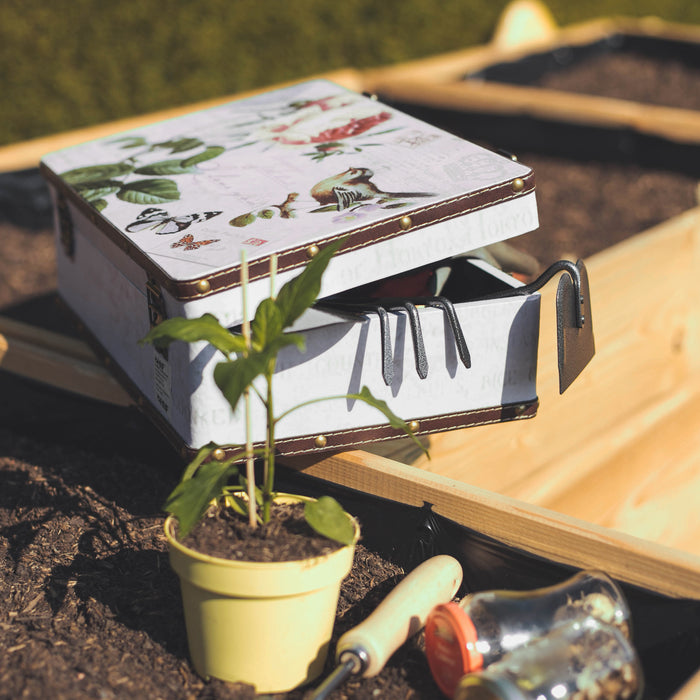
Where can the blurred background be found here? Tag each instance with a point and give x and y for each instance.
(66, 65)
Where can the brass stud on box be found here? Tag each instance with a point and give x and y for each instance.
(219, 454)
(203, 286)
(414, 426)
(312, 251)
(517, 185)
(320, 441)
(406, 223)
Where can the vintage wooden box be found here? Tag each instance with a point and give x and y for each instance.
(152, 222)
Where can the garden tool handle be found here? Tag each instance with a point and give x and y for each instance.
(401, 614)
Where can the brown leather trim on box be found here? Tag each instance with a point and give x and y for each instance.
(357, 437)
(293, 258)
(371, 234)
(306, 444)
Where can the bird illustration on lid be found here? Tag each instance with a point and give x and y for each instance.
(355, 185)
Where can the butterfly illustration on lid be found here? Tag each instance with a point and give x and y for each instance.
(188, 242)
(162, 223)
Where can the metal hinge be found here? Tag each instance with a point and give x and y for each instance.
(156, 308)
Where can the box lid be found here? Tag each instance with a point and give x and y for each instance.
(282, 172)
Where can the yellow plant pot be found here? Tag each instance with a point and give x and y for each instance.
(267, 624)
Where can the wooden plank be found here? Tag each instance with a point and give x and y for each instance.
(27, 154)
(438, 80)
(650, 488)
(490, 97)
(517, 524)
(56, 360)
(645, 324)
(448, 67)
(690, 689)
(509, 45)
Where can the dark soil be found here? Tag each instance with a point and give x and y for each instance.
(585, 207)
(630, 75)
(89, 607)
(286, 537)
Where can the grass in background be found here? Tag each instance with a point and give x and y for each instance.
(64, 65)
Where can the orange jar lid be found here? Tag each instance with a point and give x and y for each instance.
(450, 645)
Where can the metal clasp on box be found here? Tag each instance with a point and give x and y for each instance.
(156, 308)
(574, 271)
(580, 296)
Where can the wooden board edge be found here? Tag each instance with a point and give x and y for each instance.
(690, 690)
(58, 361)
(27, 154)
(508, 46)
(681, 125)
(515, 523)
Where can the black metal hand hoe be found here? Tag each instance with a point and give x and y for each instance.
(365, 649)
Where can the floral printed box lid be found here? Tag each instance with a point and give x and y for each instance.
(277, 173)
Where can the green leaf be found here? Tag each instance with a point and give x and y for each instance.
(297, 339)
(130, 141)
(154, 191)
(96, 173)
(234, 377)
(179, 145)
(98, 190)
(190, 499)
(99, 204)
(207, 154)
(366, 396)
(190, 330)
(300, 293)
(237, 504)
(197, 460)
(164, 167)
(327, 517)
(243, 220)
(267, 324)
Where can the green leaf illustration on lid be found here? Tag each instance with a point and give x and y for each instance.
(98, 189)
(179, 145)
(207, 154)
(99, 204)
(154, 191)
(164, 167)
(131, 141)
(96, 173)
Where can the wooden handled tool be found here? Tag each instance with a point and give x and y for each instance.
(365, 649)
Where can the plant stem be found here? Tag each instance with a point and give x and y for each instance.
(269, 478)
(269, 466)
(250, 462)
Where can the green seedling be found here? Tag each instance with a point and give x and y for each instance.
(247, 356)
